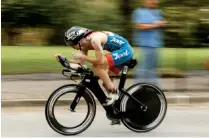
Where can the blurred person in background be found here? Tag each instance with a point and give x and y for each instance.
(148, 23)
(84, 39)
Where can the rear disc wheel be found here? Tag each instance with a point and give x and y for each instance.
(142, 121)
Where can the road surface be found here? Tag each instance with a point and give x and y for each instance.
(180, 121)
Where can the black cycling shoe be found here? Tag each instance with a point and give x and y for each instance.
(115, 122)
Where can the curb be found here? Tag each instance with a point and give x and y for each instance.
(42, 102)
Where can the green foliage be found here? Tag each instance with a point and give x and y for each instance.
(186, 24)
(188, 20)
(98, 15)
(36, 13)
(182, 24)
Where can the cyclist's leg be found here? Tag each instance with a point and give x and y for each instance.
(118, 57)
(115, 60)
(112, 71)
(103, 74)
(112, 61)
(109, 74)
(100, 71)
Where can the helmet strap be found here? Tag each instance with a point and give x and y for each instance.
(79, 46)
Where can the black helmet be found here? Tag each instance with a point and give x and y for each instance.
(75, 34)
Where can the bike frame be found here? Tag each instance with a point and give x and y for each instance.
(92, 83)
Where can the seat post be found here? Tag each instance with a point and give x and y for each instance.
(123, 78)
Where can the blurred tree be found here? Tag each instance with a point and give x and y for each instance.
(18, 15)
(184, 18)
(187, 23)
(125, 8)
(202, 29)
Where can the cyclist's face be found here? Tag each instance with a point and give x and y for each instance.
(76, 47)
(82, 44)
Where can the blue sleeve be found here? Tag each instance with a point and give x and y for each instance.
(139, 16)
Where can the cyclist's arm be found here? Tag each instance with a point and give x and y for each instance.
(65, 59)
(73, 61)
(97, 45)
(85, 53)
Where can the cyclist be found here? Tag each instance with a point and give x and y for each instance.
(119, 49)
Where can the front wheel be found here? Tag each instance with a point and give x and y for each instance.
(59, 116)
(138, 120)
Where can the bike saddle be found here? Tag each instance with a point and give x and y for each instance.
(131, 63)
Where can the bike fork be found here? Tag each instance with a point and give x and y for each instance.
(81, 90)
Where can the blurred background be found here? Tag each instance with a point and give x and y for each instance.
(32, 32)
(37, 22)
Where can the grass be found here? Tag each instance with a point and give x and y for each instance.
(34, 59)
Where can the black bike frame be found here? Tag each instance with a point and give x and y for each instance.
(92, 84)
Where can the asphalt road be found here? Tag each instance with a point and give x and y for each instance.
(30, 122)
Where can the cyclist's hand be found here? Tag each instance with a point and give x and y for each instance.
(79, 56)
(62, 57)
(56, 56)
